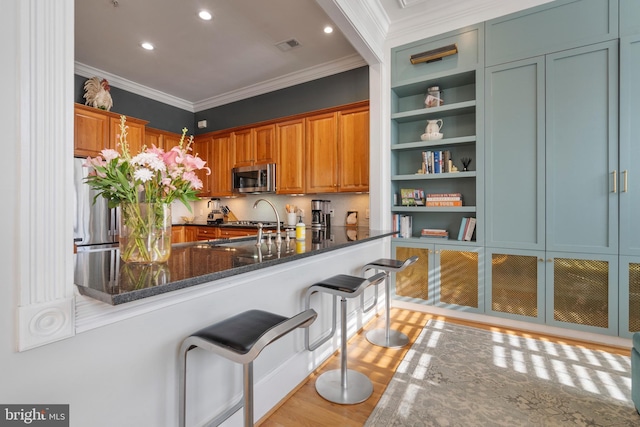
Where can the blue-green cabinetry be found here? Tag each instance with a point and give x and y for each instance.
(629, 188)
(557, 196)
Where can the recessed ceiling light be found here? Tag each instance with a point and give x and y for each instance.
(328, 29)
(146, 45)
(204, 15)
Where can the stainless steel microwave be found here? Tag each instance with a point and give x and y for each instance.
(254, 179)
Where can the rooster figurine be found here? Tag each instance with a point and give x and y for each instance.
(97, 93)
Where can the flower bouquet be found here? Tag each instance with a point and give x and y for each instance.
(143, 186)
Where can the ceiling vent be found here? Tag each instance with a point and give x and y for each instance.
(288, 44)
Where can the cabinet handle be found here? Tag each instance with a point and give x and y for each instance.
(615, 179)
(624, 187)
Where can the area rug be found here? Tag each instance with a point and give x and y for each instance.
(462, 376)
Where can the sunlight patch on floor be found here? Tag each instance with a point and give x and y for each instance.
(580, 364)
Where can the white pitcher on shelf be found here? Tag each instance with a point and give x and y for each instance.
(432, 131)
(433, 126)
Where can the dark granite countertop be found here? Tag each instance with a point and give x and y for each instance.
(100, 274)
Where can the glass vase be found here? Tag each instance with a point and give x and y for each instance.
(145, 232)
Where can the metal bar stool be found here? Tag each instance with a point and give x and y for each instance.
(387, 337)
(240, 339)
(344, 386)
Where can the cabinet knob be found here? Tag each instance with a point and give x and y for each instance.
(549, 260)
(541, 259)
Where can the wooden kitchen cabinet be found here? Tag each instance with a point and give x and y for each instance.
(227, 232)
(254, 146)
(337, 151)
(220, 164)
(135, 134)
(290, 158)
(264, 144)
(162, 139)
(353, 150)
(95, 130)
(91, 131)
(207, 233)
(242, 147)
(203, 147)
(177, 234)
(322, 153)
(190, 234)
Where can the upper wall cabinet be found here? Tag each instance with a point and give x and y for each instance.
(552, 27)
(255, 146)
(95, 130)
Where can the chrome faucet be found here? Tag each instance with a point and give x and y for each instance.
(278, 234)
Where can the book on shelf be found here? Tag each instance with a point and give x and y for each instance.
(463, 225)
(444, 203)
(412, 197)
(444, 197)
(434, 233)
(471, 226)
(406, 226)
(437, 161)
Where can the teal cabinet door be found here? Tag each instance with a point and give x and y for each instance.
(629, 306)
(514, 154)
(582, 292)
(582, 149)
(629, 185)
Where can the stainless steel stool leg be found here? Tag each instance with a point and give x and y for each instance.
(344, 386)
(387, 337)
(248, 394)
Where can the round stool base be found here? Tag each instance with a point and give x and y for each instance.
(396, 339)
(329, 386)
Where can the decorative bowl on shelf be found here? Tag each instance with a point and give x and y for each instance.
(187, 219)
(431, 136)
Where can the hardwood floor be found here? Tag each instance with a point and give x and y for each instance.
(304, 407)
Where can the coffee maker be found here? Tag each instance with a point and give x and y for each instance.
(320, 213)
(317, 213)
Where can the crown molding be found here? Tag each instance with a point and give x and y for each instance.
(137, 88)
(313, 73)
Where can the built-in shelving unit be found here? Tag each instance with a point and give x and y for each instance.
(460, 79)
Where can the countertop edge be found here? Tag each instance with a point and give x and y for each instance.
(136, 295)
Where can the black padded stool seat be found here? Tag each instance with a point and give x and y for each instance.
(239, 338)
(342, 386)
(342, 283)
(387, 337)
(240, 332)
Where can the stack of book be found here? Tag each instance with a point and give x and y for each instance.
(444, 199)
(437, 233)
(437, 161)
(467, 227)
(403, 224)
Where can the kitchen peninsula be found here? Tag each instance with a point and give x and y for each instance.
(101, 275)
